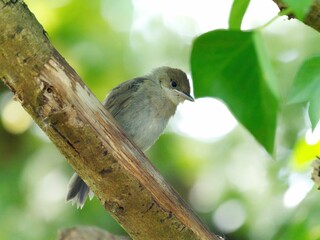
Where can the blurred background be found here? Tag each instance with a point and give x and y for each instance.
(235, 187)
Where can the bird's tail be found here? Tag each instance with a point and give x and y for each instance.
(78, 191)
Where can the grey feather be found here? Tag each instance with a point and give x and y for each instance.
(142, 106)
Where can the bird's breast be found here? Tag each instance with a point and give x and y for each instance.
(145, 124)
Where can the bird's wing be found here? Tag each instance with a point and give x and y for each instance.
(118, 98)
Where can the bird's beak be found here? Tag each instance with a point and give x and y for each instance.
(186, 96)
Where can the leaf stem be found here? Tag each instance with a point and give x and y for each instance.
(280, 14)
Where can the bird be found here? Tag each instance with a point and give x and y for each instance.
(142, 107)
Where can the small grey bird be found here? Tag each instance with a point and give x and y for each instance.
(142, 106)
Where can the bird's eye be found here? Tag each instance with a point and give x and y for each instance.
(173, 83)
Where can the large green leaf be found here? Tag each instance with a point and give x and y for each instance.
(238, 10)
(306, 88)
(228, 65)
(299, 7)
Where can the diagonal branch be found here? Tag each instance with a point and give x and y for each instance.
(87, 233)
(119, 174)
(312, 18)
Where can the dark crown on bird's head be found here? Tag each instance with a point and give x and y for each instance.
(175, 80)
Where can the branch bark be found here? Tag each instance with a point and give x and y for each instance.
(312, 18)
(119, 174)
(87, 233)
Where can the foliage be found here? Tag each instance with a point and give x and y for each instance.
(265, 75)
(238, 10)
(306, 88)
(218, 71)
(299, 7)
(248, 89)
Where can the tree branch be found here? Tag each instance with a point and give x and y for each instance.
(312, 18)
(87, 233)
(119, 174)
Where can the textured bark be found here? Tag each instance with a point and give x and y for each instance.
(119, 174)
(87, 233)
(312, 18)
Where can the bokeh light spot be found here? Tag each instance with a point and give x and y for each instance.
(230, 216)
(299, 186)
(204, 119)
(14, 118)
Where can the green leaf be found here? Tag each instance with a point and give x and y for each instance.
(306, 88)
(228, 65)
(238, 10)
(314, 111)
(299, 7)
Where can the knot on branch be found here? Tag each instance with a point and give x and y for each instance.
(115, 207)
